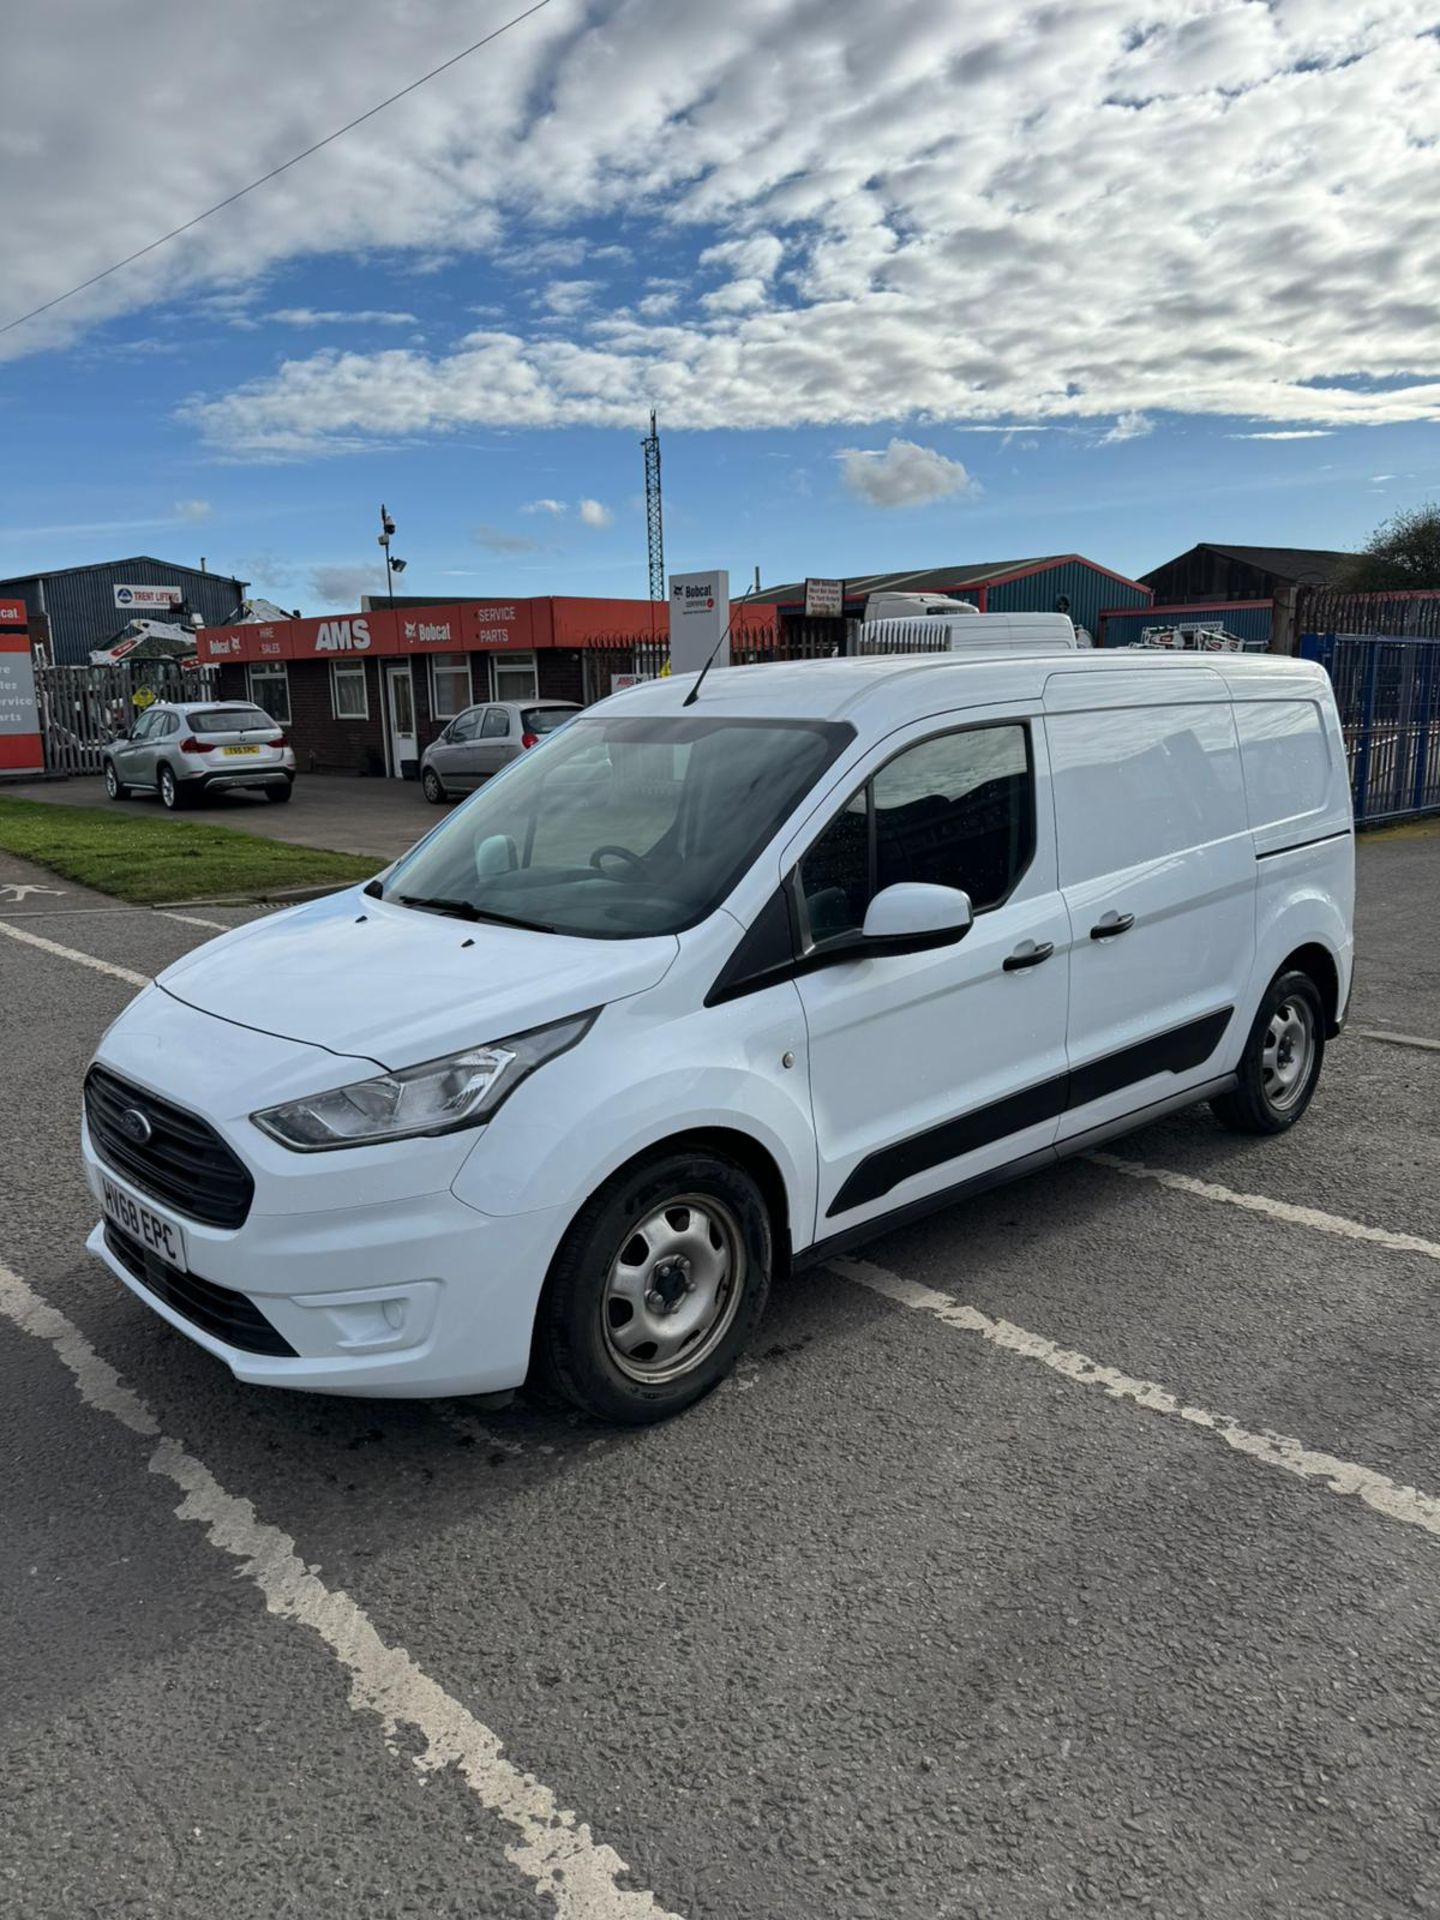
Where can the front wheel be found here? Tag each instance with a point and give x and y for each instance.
(115, 788)
(660, 1283)
(431, 786)
(1282, 1059)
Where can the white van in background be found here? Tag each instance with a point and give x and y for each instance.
(725, 976)
(981, 633)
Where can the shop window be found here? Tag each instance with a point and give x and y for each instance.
(449, 684)
(515, 677)
(349, 692)
(268, 685)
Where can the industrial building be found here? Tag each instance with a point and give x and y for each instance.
(367, 692)
(1253, 590)
(1054, 583)
(74, 610)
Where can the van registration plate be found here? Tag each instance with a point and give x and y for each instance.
(157, 1236)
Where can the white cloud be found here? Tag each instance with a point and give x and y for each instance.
(594, 513)
(655, 306)
(338, 317)
(342, 585)
(497, 540)
(903, 475)
(1129, 426)
(567, 297)
(544, 506)
(1227, 213)
(192, 509)
(1285, 433)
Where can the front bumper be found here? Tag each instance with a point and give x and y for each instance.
(410, 1298)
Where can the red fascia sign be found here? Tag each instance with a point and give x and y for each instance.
(352, 636)
(14, 613)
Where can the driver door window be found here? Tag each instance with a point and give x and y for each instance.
(957, 810)
(455, 755)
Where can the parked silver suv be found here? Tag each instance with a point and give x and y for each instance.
(484, 739)
(181, 750)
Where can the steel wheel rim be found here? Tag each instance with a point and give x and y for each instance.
(1287, 1053)
(673, 1289)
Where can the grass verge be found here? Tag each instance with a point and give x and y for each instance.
(166, 859)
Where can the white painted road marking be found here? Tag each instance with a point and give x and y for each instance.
(554, 1849)
(1277, 1209)
(21, 891)
(73, 953)
(1390, 1497)
(193, 920)
(1396, 1039)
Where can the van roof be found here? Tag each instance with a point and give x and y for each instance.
(910, 685)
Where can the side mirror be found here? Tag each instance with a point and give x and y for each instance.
(913, 916)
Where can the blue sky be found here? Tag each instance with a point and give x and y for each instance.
(881, 332)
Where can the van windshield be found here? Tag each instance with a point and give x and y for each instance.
(617, 828)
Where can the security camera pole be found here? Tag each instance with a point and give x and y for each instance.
(392, 567)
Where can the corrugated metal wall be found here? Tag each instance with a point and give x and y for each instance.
(80, 604)
(1086, 588)
(1251, 621)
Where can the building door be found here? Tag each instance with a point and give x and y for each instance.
(400, 720)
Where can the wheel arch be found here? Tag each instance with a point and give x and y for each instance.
(1316, 960)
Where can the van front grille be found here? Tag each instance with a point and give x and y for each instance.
(220, 1311)
(179, 1158)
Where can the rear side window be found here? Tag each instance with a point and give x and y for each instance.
(497, 724)
(1141, 784)
(956, 811)
(227, 719)
(1286, 758)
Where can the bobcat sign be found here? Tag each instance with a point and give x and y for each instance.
(699, 616)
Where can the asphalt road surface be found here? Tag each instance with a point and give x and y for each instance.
(1073, 1552)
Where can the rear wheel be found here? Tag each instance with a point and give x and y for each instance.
(660, 1283)
(115, 788)
(279, 794)
(172, 795)
(433, 788)
(1282, 1060)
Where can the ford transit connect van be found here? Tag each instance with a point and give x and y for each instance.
(711, 985)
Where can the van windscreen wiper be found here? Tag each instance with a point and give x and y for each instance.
(466, 910)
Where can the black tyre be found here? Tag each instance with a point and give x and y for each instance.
(115, 788)
(279, 795)
(661, 1281)
(433, 787)
(173, 795)
(1282, 1059)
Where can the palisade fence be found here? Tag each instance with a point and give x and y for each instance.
(82, 709)
(1387, 687)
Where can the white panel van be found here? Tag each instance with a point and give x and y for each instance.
(723, 977)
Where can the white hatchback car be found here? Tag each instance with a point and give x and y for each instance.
(709, 986)
(181, 750)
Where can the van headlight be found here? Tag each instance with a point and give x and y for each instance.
(441, 1096)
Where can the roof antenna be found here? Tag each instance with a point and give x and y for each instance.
(694, 694)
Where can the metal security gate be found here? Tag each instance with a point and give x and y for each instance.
(1388, 691)
(82, 709)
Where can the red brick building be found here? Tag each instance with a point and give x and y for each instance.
(367, 692)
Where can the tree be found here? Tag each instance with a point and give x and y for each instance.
(1403, 551)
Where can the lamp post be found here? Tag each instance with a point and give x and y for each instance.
(392, 567)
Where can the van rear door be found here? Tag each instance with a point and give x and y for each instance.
(1157, 869)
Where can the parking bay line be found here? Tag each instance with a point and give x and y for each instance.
(1285, 1210)
(1396, 1039)
(1389, 1497)
(554, 1849)
(73, 953)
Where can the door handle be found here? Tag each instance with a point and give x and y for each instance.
(1029, 956)
(1111, 925)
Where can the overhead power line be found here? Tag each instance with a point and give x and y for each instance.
(274, 173)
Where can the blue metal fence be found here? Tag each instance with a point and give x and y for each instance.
(1388, 692)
